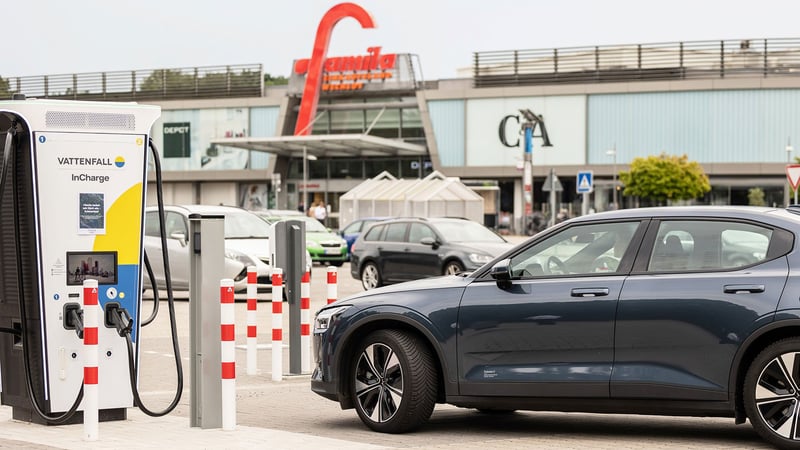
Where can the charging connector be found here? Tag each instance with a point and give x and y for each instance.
(73, 318)
(119, 318)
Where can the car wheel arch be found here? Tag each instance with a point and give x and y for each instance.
(755, 343)
(363, 327)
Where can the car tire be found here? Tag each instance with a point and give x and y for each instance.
(772, 393)
(370, 276)
(393, 383)
(453, 268)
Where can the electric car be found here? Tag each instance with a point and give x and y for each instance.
(612, 312)
(246, 244)
(324, 246)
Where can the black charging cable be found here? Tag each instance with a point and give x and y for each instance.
(122, 320)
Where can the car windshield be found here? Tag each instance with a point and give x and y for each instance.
(312, 225)
(466, 231)
(244, 225)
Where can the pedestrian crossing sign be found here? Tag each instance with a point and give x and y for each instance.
(585, 183)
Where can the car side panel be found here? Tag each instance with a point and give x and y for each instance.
(677, 334)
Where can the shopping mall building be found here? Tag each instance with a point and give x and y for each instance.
(226, 138)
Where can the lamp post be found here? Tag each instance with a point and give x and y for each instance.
(306, 158)
(789, 150)
(613, 153)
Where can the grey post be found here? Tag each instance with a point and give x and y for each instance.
(290, 254)
(207, 256)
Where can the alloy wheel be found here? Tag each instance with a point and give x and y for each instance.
(379, 382)
(777, 397)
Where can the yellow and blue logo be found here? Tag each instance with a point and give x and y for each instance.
(119, 161)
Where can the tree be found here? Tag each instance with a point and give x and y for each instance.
(665, 177)
(5, 88)
(755, 197)
(269, 80)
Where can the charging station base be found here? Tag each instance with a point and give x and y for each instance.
(105, 415)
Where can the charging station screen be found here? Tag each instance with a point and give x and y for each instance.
(100, 266)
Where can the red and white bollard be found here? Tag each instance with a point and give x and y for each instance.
(305, 323)
(252, 332)
(228, 342)
(91, 400)
(332, 289)
(277, 324)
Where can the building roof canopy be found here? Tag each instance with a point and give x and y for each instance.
(326, 146)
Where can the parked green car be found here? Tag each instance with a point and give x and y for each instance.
(324, 246)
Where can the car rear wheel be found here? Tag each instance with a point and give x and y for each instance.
(394, 382)
(772, 393)
(370, 276)
(453, 268)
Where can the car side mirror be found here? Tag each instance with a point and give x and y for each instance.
(501, 273)
(429, 241)
(180, 237)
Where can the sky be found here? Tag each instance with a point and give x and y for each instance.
(53, 37)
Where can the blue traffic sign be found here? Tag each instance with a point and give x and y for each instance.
(585, 182)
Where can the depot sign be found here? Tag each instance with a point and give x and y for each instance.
(349, 73)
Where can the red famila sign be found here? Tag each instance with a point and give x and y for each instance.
(348, 73)
(315, 65)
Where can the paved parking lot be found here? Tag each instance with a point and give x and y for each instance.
(288, 415)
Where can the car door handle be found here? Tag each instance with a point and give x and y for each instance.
(589, 292)
(743, 288)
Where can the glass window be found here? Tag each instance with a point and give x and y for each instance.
(374, 167)
(346, 168)
(151, 224)
(707, 245)
(419, 231)
(577, 250)
(343, 122)
(374, 233)
(175, 224)
(395, 232)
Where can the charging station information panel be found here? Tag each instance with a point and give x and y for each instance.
(91, 199)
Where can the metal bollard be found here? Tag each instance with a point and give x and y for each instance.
(305, 323)
(228, 348)
(332, 280)
(252, 331)
(91, 400)
(277, 324)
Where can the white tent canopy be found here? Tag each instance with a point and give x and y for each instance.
(433, 196)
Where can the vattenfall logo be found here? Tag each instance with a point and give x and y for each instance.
(119, 161)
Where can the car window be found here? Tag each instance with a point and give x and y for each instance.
(245, 225)
(175, 224)
(151, 224)
(352, 228)
(374, 233)
(419, 231)
(707, 245)
(466, 231)
(395, 232)
(580, 249)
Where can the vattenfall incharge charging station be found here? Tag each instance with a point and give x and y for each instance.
(71, 209)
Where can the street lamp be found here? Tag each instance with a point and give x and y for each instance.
(613, 153)
(306, 158)
(789, 150)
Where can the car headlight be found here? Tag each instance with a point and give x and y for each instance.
(239, 256)
(477, 258)
(312, 244)
(323, 318)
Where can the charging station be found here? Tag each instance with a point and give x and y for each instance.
(71, 209)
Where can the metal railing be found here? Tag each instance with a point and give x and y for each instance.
(158, 84)
(639, 62)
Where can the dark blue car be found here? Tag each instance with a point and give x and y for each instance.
(645, 311)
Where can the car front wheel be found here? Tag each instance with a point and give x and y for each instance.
(370, 276)
(453, 268)
(394, 381)
(772, 393)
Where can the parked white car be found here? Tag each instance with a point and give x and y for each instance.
(246, 244)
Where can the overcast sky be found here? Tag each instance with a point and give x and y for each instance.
(49, 37)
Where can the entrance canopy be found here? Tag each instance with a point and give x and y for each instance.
(323, 146)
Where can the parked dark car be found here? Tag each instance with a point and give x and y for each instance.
(607, 312)
(397, 250)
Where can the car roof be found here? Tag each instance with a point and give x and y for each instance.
(761, 213)
(202, 209)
